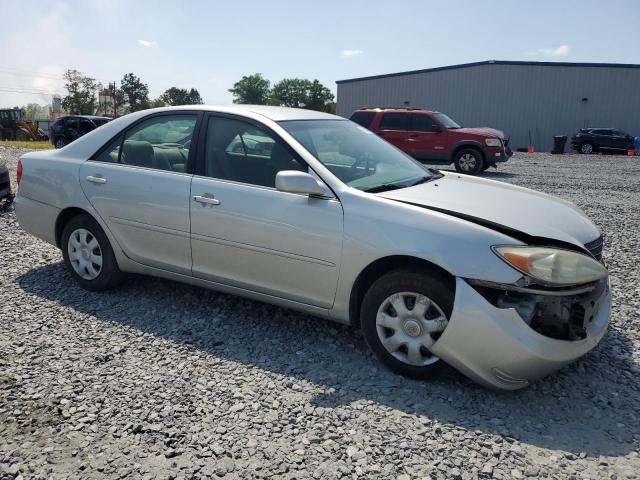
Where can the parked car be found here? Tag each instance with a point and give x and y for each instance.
(5, 187)
(67, 129)
(434, 137)
(504, 283)
(591, 140)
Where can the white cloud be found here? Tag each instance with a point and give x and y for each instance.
(148, 43)
(350, 53)
(561, 51)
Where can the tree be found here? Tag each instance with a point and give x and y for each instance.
(253, 89)
(302, 93)
(136, 92)
(181, 96)
(158, 102)
(320, 97)
(81, 93)
(33, 111)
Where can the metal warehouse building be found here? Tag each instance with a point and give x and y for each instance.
(534, 100)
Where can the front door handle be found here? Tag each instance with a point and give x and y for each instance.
(206, 199)
(97, 179)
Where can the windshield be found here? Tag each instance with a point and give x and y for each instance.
(446, 121)
(357, 156)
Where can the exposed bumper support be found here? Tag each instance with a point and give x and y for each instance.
(496, 348)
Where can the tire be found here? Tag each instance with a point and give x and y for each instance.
(59, 142)
(468, 161)
(484, 167)
(587, 148)
(80, 250)
(378, 322)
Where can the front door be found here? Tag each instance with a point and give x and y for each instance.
(140, 187)
(426, 140)
(247, 234)
(393, 128)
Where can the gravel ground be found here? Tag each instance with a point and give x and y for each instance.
(162, 380)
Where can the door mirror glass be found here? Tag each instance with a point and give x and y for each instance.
(293, 181)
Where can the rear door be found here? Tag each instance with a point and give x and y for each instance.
(140, 185)
(602, 138)
(393, 128)
(621, 140)
(247, 234)
(426, 141)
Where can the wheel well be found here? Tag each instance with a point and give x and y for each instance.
(63, 217)
(469, 146)
(384, 265)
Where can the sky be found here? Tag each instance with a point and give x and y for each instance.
(209, 45)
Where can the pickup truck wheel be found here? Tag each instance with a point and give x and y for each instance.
(586, 148)
(469, 161)
(88, 254)
(403, 314)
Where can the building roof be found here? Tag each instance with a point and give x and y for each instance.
(493, 62)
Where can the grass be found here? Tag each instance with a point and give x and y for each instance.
(43, 145)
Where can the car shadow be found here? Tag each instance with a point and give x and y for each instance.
(553, 413)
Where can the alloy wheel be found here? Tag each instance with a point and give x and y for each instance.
(408, 324)
(85, 254)
(467, 162)
(586, 148)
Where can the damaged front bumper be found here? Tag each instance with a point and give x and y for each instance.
(506, 345)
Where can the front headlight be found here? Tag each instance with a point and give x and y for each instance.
(552, 266)
(493, 142)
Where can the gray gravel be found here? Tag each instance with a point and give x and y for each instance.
(162, 380)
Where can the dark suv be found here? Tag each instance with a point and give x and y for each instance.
(590, 140)
(434, 138)
(67, 129)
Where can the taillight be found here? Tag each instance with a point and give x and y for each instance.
(19, 171)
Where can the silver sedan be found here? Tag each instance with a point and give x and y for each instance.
(310, 211)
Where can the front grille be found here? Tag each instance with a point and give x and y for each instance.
(595, 248)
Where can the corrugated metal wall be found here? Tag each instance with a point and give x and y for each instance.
(519, 99)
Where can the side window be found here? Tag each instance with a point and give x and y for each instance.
(241, 152)
(85, 126)
(112, 152)
(160, 142)
(421, 123)
(394, 121)
(363, 118)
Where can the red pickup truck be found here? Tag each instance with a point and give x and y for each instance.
(434, 138)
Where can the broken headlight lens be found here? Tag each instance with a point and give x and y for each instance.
(552, 266)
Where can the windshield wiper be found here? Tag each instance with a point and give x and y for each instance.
(421, 180)
(384, 187)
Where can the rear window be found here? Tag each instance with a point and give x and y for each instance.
(394, 121)
(363, 118)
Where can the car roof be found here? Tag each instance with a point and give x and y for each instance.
(274, 113)
(395, 109)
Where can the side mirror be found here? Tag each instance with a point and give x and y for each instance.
(293, 181)
(436, 128)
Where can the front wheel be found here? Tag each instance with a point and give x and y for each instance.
(403, 314)
(586, 148)
(88, 254)
(469, 161)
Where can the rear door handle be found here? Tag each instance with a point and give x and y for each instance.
(96, 179)
(206, 199)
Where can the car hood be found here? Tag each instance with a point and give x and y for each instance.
(514, 210)
(483, 131)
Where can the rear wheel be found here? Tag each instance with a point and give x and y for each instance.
(586, 148)
(402, 316)
(469, 161)
(88, 254)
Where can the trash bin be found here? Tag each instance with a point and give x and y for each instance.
(558, 144)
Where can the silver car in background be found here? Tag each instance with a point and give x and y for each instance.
(313, 212)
